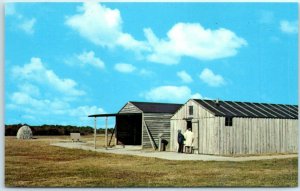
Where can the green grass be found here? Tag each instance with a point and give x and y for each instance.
(34, 163)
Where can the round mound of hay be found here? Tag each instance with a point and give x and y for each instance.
(24, 133)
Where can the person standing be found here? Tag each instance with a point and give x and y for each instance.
(180, 141)
(189, 139)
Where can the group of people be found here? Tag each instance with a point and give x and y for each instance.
(185, 141)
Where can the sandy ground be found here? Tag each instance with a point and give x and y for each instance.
(167, 155)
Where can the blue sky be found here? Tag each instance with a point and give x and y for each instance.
(64, 61)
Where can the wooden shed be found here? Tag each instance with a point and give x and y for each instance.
(229, 128)
(140, 123)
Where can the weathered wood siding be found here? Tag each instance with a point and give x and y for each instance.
(258, 135)
(245, 136)
(157, 123)
(130, 108)
(202, 120)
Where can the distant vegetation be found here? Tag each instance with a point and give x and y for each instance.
(11, 130)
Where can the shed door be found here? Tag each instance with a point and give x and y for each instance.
(129, 129)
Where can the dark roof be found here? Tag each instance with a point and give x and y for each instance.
(112, 114)
(150, 107)
(248, 109)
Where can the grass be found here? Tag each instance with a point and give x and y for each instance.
(34, 163)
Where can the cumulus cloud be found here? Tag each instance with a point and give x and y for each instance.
(10, 9)
(39, 106)
(34, 105)
(184, 76)
(89, 58)
(35, 71)
(29, 89)
(57, 101)
(27, 25)
(24, 24)
(193, 40)
(170, 93)
(102, 26)
(84, 111)
(125, 68)
(290, 27)
(145, 72)
(211, 79)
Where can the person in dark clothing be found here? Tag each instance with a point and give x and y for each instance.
(180, 141)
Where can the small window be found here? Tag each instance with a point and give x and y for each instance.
(191, 110)
(228, 121)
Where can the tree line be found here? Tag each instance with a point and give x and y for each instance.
(11, 130)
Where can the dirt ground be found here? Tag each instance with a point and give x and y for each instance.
(136, 151)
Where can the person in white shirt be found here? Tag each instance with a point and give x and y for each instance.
(189, 139)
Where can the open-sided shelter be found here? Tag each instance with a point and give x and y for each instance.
(227, 127)
(141, 123)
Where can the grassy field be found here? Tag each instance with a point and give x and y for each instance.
(34, 163)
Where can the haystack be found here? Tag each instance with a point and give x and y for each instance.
(24, 133)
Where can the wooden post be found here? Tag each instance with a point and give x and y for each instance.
(106, 133)
(159, 144)
(95, 131)
(198, 138)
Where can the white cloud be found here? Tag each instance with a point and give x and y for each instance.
(170, 93)
(34, 105)
(290, 27)
(35, 71)
(24, 24)
(211, 79)
(102, 26)
(57, 102)
(10, 9)
(28, 26)
(89, 58)
(84, 111)
(184, 76)
(145, 72)
(54, 107)
(29, 89)
(124, 68)
(191, 39)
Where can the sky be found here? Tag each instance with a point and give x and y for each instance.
(64, 61)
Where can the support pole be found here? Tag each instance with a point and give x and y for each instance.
(95, 131)
(106, 133)
(159, 144)
(198, 138)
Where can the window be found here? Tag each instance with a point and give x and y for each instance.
(228, 121)
(190, 110)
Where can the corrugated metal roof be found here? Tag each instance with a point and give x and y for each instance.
(248, 109)
(150, 107)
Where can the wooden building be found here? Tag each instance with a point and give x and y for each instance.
(140, 123)
(228, 128)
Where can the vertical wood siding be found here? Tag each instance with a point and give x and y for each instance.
(201, 119)
(157, 123)
(258, 136)
(245, 136)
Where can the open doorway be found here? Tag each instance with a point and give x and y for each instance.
(189, 125)
(129, 129)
